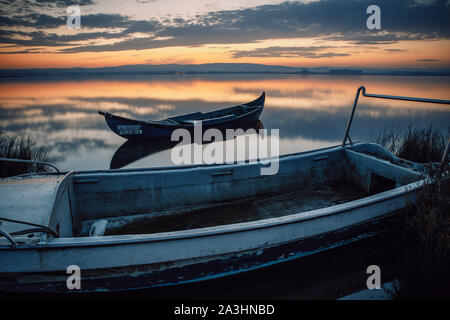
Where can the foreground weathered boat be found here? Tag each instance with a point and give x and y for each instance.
(232, 117)
(339, 197)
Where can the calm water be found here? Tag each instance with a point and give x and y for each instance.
(310, 111)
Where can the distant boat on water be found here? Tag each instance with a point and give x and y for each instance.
(240, 115)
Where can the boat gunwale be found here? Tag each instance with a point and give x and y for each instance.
(216, 165)
(61, 243)
(80, 173)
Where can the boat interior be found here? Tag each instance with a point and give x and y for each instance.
(213, 115)
(145, 201)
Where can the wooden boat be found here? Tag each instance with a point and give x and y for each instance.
(237, 116)
(174, 225)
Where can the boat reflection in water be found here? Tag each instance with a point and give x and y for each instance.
(134, 150)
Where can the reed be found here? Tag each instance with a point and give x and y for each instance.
(423, 243)
(21, 146)
(417, 144)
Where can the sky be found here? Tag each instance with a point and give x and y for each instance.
(307, 33)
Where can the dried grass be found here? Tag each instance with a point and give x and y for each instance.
(21, 146)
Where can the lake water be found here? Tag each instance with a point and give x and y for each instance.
(311, 111)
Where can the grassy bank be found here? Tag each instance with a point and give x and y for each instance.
(417, 144)
(424, 240)
(21, 146)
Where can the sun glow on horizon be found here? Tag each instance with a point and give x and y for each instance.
(404, 54)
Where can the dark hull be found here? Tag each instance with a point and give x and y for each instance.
(133, 150)
(136, 129)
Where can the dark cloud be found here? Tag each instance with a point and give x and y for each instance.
(428, 60)
(18, 10)
(395, 50)
(102, 20)
(62, 3)
(42, 38)
(289, 52)
(21, 51)
(374, 38)
(43, 21)
(38, 38)
(343, 20)
(35, 20)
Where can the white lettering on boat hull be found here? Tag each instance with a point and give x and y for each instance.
(129, 129)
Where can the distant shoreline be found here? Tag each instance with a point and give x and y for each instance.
(116, 74)
(209, 69)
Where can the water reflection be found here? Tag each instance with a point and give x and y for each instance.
(134, 150)
(311, 111)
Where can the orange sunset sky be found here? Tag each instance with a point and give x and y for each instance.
(309, 33)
